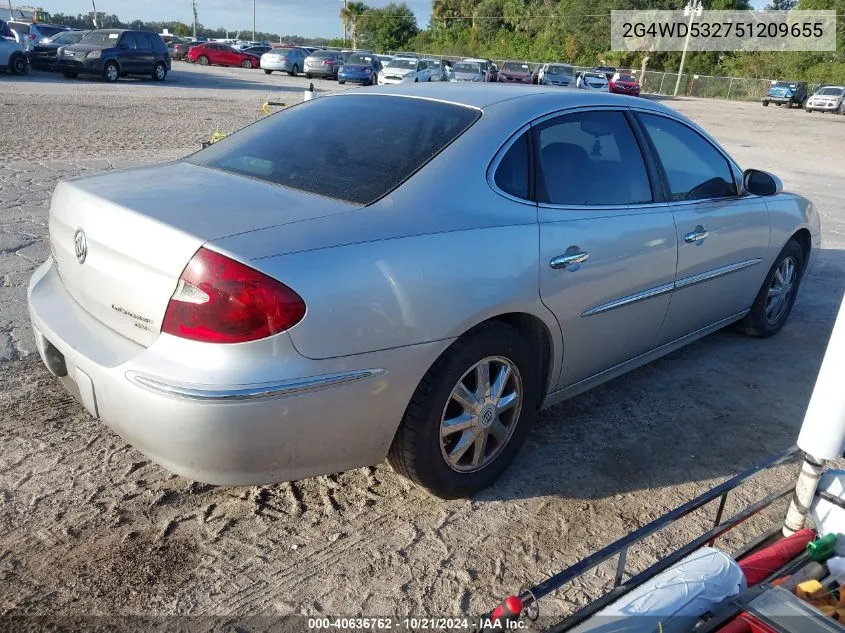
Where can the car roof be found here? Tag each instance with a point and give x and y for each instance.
(488, 95)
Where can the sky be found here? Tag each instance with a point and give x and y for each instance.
(310, 18)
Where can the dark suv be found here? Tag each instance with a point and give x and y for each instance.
(789, 93)
(113, 53)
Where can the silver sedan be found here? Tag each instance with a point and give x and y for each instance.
(302, 312)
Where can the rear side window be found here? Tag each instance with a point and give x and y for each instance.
(512, 173)
(694, 168)
(590, 158)
(310, 147)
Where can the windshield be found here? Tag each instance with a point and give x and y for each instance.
(408, 64)
(68, 37)
(516, 67)
(464, 67)
(360, 59)
(783, 84)
(556, 69)
(595, 77)
(625, 78)
(329, 161)
(101, 38)
(831, 92)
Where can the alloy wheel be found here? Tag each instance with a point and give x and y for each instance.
(781, 290)
(481, 414)
(112, 72)
(161, 71)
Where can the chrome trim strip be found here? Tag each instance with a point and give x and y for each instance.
(623, 301)
(680, 283)
(253, 391)
(716, 272)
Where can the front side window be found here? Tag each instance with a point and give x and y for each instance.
(304, 148)
(695, 170)
(590, 158)
(512, 173)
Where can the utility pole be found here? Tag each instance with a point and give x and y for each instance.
(253, 20)
(95, 14)
(194, 9)
(345, 23)
(694, 8)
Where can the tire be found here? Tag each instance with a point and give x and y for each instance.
(418, 452)
(765, 104)
(19, 65)
(202, 60)
(416, 79)
(268, 72)
(159, 71)
(246, 64)
(841, 109)
(70, 75)
(340, 82)
(765, 318)
(307, 76)
(374, 80)
(111, 73)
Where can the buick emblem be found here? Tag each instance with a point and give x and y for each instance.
(80, 245)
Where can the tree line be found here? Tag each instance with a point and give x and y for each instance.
(573, 31)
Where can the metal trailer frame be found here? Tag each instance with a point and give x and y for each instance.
(530, 596)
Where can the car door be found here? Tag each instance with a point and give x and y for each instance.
(129, 56)
(722, 237)
(146, 52)
(607, 240)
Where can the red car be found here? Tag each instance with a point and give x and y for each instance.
(624, 85)
(217, 54)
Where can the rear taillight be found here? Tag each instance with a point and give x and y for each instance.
(32, 36)
(328, 62)
(219, 300)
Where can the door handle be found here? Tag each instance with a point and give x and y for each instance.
(696, 235)
(563, 261)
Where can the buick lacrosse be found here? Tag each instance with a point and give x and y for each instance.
(297, 299)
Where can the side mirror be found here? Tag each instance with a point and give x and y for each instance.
(761, 183)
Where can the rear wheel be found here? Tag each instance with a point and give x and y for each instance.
(202, 60)
(159, 71)
(246, 64)
(268, 72)
(341, 82)
(470, 413)
(765, 104)
(111, 73)
(19, 65)
(774, 302)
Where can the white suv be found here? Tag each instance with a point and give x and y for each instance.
(12, 54)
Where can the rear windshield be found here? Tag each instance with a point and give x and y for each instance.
(48, 31)
(554, 69)
(305, 148)
(20, 27)
(323, 54)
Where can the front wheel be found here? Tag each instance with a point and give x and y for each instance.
(470, 413)
(246, 64)
(268, 72)
(340, 82)
(159, 71)
(19, 65)
(765, 104)
(776, 297)
(111, 73)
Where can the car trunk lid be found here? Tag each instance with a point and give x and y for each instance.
(121, 240)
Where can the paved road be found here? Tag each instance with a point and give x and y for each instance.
(88, 525)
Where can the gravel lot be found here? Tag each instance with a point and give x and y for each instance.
(88, 526)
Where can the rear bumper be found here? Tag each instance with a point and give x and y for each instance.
(282, 66)
(320, 72)
(251, 413)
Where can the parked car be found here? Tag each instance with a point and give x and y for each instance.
(360, 68)
(323, 63)
(178, 49)
(288, 60)
(258, 51)
(827, 99)
(112, 53)
(607, 71)
(404, 69)
(42, 56)
(385, 59)
(468, 71)
(625, 84)
(490, 70)
(230, 354)
(557, 75)
(592, 81)
(32, 34)
(217, 54)
(788, 93)
(515, 72)
(12, 53)
(439, 69)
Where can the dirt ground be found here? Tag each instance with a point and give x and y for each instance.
(88, 526)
